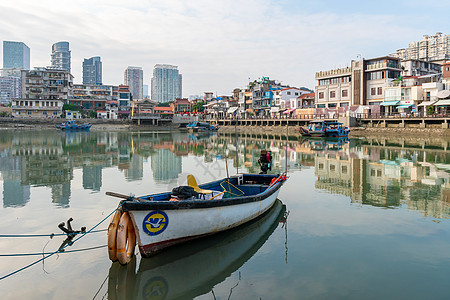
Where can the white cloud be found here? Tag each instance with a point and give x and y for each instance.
(216, 44)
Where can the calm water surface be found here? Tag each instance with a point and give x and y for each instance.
(367, 218)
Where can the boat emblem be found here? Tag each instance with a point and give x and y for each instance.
(156, 289)
(155, 222)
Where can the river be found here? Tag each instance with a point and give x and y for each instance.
(357, 219)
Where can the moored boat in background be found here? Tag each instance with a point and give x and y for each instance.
(71, 125)
(325, 129)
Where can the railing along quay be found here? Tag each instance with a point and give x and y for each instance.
(441, 120)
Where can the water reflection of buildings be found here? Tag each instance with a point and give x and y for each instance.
(165, 165)
(92, 178)
(14, 193)
(387, 177)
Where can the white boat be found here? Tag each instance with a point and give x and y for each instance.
(161, 220)
(193, 269)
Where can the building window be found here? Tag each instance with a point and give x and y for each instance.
(380, 91)
(332, 105)
(344, 93)
(321, 95)
(332, 94)
(30, 112)
(320, 105)
(296, 94)
(288, 93)
(373, 91)
(344, 104)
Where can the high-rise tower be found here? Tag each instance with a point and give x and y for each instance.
(16, 55)
(92, 70)
(60, 57)
(134, 78)
(166, 83)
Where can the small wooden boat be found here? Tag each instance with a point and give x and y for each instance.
(193, 269)
(161, 220)
(73, 126)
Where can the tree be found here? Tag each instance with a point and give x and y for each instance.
(71, 107)
(92, 114)
(164, 104)
(199, 106)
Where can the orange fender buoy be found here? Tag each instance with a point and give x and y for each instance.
(112, 235)
(126, 239)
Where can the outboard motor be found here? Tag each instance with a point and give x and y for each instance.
(265, 161)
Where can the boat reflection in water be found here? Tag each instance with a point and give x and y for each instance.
(189, 270)
(323, 144)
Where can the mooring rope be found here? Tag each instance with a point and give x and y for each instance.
(82, 234)
(44, 235)
(45, 253)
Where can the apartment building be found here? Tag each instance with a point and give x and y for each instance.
(362, 83)
(44, 92)
(430, 48)
(167, 83)
(92, 70)
(134, 79)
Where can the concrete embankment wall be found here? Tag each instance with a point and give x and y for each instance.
(293, 131)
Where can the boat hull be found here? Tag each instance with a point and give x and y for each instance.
(184, 224)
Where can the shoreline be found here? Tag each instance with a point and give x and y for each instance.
(127, 125)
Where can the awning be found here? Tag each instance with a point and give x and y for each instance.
(289, 111)
(427, 103)
(232, 109)
(389, 103)
(445, 102)
(404, 106)
(274, 109)
(443, 94)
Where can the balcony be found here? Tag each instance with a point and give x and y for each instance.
(382, 65)
(334, 73)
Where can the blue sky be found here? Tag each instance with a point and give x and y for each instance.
(219, 44)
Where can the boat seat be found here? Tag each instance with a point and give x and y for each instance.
(193, 183)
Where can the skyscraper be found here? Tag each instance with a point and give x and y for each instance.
(92, 70)
(16, 55)
(134, 78)
(166, 83)
(60, 57)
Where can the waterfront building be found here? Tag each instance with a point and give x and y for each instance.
(93, 97)
(208, 96)
(104, 91)
(16, 55)
(166, 83)
(92, 70)
(283, 97)
(417, 67)
(44, 91)
(362, 84)
(263, 94)
(134, 79)
(182, 105)
(303, 105)
(124, 101)
(60, 57)
(430, 48)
